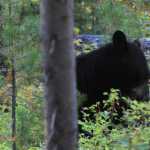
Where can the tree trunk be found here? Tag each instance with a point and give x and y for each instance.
(13, 105)
(59, 67)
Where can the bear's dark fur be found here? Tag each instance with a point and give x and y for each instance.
(119, 65)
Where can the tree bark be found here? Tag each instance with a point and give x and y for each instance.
(59, 67)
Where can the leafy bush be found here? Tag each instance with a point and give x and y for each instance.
(133, 133)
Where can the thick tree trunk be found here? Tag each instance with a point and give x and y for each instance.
(59, 66)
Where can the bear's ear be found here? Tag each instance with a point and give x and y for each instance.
(119, 39)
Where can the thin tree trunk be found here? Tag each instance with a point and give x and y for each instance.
(13, 71)
(13, 105)
(59, 67)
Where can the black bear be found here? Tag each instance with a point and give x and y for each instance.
(120, 65)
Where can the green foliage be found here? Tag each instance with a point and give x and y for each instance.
(30, 117)
(20, 39)
(20, 36)
(105, 16)
(134, 133)
(2, 81)
(5, 134)
(30, 123)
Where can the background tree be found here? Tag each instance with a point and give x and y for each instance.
(105, 16)
(59, 66)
